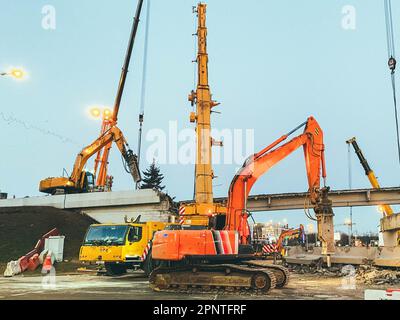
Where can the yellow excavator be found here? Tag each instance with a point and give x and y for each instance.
(203, 210)
(83, 181)
(80, 180)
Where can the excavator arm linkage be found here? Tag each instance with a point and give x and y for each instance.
(258, 164)
(113, 135)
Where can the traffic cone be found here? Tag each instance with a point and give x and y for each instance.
(47, 264)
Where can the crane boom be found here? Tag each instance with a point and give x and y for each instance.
(204, 174)
(128, 55)
(387, 210)
(204, 207)
(77, 182)
(103, 154)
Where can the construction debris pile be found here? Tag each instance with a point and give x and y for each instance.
(366, 274)
(317, 269)
(372, 275)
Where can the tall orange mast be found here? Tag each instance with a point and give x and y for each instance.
(103, 154)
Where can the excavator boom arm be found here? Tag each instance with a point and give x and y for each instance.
(260, 163)
(114, 134)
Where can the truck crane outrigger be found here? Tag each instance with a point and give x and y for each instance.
(81, 180)
(225, 258)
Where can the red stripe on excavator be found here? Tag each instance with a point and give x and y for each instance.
(226, 242)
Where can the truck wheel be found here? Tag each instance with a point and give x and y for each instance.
(115, 269)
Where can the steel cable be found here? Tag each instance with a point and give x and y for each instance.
(392, 64)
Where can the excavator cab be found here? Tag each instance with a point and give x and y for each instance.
(217, 222)
(88, 181)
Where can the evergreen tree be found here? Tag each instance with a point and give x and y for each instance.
(152, 178)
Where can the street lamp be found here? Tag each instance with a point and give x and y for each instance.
(16, 73)
(104, 112)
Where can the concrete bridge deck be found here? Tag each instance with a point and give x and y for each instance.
(105, 206)
(153, 205)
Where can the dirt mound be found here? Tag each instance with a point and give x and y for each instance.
(21, 227)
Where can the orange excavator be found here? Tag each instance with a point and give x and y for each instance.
(225, 259)
(277, 247)
(290, 234)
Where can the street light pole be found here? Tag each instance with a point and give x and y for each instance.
(351, 208)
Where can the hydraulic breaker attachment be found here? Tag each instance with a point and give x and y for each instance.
(324, 213)
(132, 164)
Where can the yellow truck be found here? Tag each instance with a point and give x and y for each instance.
(121, 246)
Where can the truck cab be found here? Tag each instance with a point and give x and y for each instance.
(120, 246)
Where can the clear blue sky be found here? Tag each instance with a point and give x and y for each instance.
(272, 64)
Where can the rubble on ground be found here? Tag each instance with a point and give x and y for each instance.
(317, 269)
(366, 274)
(373, 275)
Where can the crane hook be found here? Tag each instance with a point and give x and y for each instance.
(392, 64)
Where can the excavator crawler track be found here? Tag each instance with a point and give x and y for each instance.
(218, 278)
(281, 273)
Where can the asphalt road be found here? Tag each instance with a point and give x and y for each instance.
(135, 286)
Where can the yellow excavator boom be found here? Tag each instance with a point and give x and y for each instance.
(76, 182)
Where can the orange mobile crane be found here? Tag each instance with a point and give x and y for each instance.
(208, 259)
(204, 208)
(81, 180)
